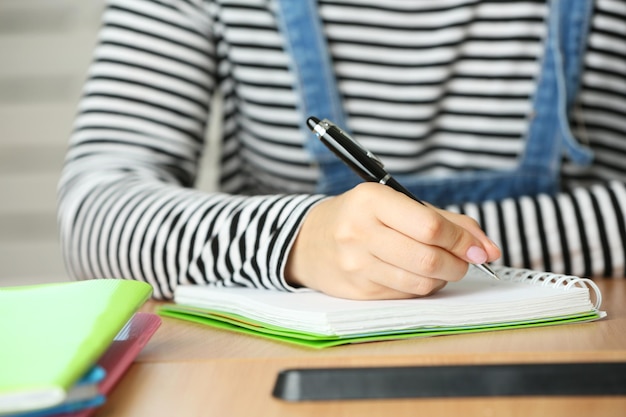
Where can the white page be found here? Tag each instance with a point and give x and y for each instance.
(472, 301)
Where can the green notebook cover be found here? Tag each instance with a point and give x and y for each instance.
(53, 333)
(245, 325)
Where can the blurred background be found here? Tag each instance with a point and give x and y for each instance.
(45, 49)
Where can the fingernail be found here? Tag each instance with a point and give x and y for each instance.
(476, 255)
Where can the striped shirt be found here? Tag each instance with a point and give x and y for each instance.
(432, 87)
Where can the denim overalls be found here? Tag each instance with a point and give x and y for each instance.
(547, 138)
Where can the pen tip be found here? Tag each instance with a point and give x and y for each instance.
(486, 269)
(312, 122)
(491, 272)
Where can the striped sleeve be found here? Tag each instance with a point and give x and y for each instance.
(580, 232)
(126, 209)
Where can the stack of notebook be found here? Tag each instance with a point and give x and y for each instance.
(521, 298)
(65, 345)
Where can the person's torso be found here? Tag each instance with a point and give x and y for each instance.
(436, 91)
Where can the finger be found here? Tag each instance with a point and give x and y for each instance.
(372, 291)
(417, 258)
(403, 283)
(426, 225)
(383, 281)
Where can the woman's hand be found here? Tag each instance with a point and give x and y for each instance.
(373, 242)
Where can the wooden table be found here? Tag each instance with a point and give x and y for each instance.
(191, 370)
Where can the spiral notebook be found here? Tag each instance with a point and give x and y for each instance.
(522, 298)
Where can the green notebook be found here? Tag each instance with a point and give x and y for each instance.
(522, 298)
(53, 333)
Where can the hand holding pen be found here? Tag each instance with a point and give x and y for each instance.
(364, 163)
(373, 242)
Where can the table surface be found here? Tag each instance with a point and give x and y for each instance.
(191, 370)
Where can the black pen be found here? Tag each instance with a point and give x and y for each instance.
(363, 162)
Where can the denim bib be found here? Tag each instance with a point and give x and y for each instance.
(547, 138)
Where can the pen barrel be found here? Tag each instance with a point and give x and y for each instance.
(391, 182)
(362, 162)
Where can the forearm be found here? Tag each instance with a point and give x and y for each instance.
(164, 235)
(125, 209)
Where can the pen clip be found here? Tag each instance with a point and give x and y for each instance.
(349, 150)
(375, 159)
(325, 124)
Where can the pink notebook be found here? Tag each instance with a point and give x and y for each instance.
(121, 354)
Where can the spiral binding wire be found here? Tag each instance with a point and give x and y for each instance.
(549, 279)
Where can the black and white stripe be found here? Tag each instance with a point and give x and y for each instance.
(432, 87)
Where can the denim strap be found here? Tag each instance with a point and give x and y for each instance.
(300, 23)
(548, 136)
(572, 19)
